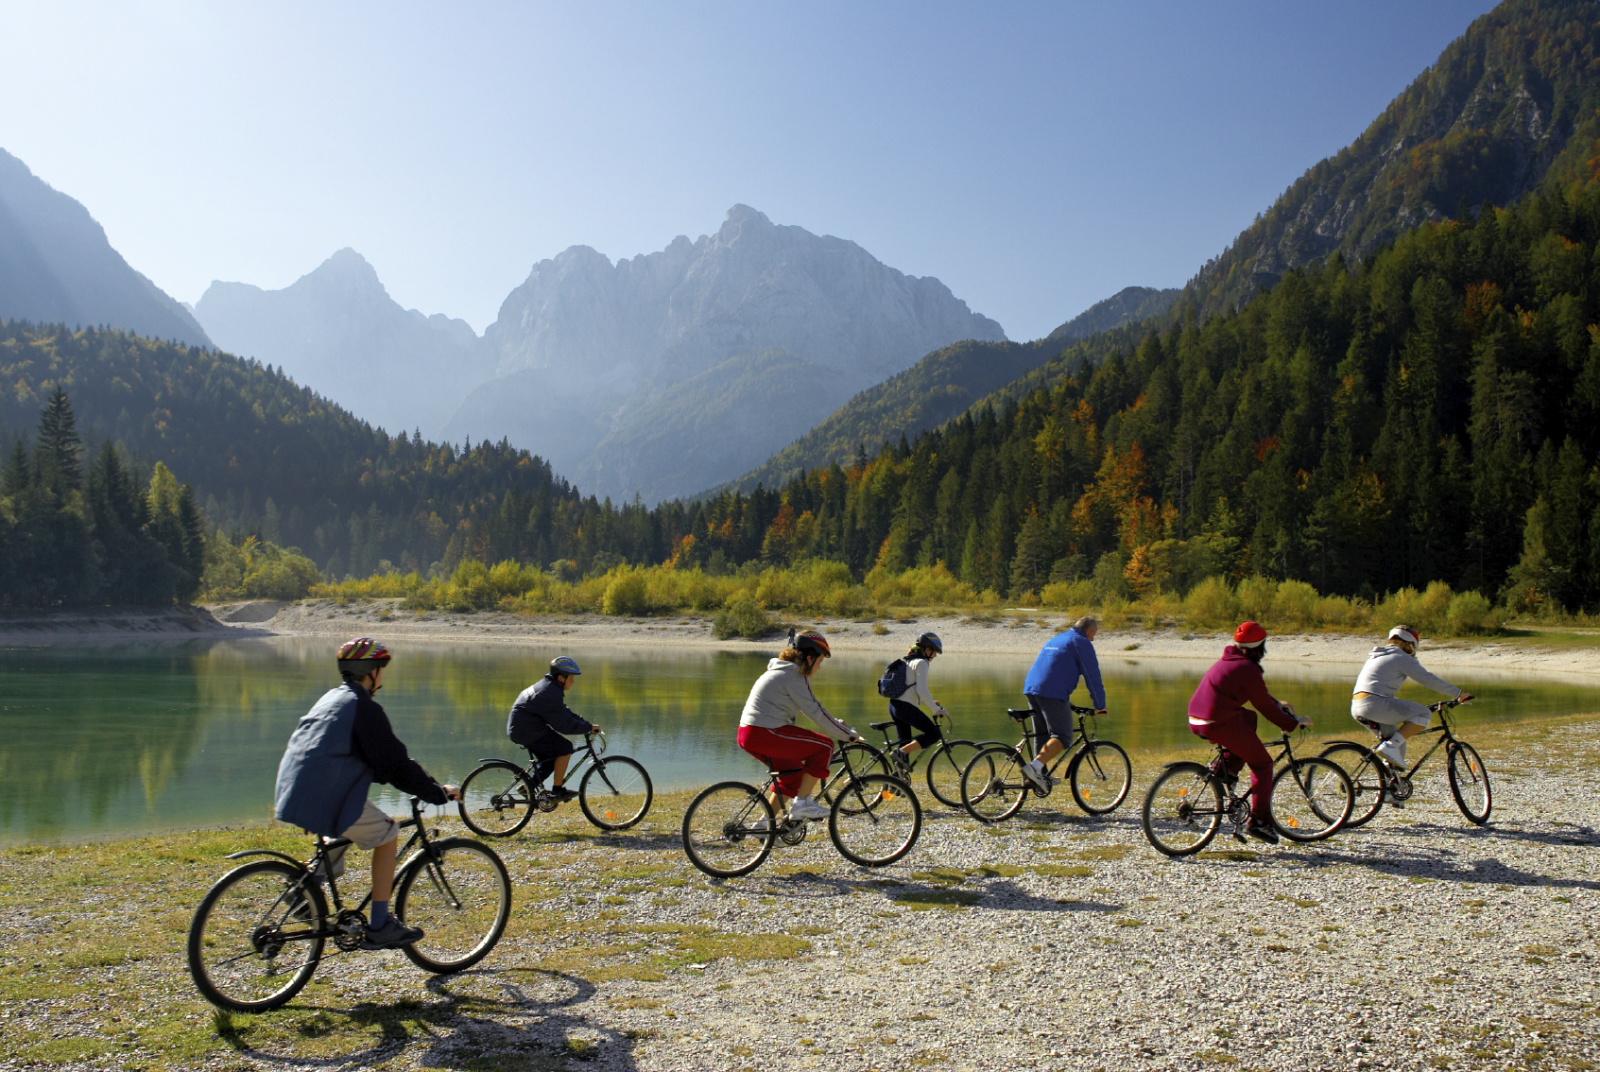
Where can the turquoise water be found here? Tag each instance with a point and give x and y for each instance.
(148, 737)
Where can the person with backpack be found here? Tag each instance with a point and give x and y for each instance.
(1064, 659)
(905, 685)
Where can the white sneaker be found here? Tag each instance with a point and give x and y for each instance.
(1393, 749)
(806, 808)
(1036, 776)
(759, 826)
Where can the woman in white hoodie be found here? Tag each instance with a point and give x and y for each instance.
(767, 728)
(1375, 702)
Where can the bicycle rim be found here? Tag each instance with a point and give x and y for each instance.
(1469, 783)
(944, 770)
(253, 943)
(729, 829)
(615, 793)
(1182, 810)
(460, 897)
(1101, 775)
(875, 820)
(496, 800)
(992, 786)
(1311, 799)
(1366, 779)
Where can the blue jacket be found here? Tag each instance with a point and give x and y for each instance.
(338, 749)
(1065, 658)
(541, 709)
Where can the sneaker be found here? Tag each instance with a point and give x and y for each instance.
(758, 827)
(807, 809)
(1037, 777)
(899, 761)
(1262, 832)
(561, 794)
(1393, 749)
(392, 935)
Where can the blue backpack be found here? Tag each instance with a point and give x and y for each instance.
(892, 685)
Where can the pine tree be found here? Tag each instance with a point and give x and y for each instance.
(58, 446)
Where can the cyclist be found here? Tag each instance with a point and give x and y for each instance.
(1375, 704)
(909, 708)
(1217, 713)
(1051, 681)
(338, 749)
(767, 727)
(540, 716)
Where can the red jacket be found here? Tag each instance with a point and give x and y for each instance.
(1233, 681)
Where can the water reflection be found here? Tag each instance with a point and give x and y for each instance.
(150, 737)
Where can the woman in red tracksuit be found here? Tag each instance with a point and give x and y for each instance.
(1217, 713)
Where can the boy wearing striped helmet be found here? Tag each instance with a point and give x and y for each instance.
(540, 716)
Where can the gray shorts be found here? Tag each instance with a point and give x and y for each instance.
(1390, 711)
(1051, 718)
(373, 828)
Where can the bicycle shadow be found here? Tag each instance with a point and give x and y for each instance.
(1442, 865)
(533, 1022)
(1579, 835)
(994, 894)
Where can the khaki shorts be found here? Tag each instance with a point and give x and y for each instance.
(374, 828)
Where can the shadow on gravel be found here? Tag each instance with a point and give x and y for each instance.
(1578, 835)
(517, 1018)
(1443, 865)
(1002, 895)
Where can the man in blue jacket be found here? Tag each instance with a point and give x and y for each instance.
(540, 717)
(338, 749)
(1064, 659)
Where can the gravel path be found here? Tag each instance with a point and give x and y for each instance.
(1052, 941)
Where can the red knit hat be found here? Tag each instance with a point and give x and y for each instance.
(1249, 635)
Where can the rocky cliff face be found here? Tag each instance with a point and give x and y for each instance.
(1512, 103)
(57, 267)
(674, 371)
(337, 331)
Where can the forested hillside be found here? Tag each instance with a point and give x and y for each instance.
(1511, 106)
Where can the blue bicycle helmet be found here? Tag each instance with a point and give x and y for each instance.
(931, 640)
(564, 664)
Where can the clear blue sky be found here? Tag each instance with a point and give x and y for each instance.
(1035, 157)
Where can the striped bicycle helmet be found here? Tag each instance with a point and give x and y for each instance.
(564, 664)
(359, 657)
(812, 644)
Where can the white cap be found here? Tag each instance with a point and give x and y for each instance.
(1405, 633)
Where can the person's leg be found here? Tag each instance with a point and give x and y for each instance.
(559, 774)
(1056, 718)
(383, 871)
(377, 831)
(788, 748)
(1243, 747)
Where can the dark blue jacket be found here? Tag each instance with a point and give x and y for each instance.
(338, 749)
(541, 709)
(1064, 659)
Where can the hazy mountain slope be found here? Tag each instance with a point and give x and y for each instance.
(56, 265)
(1127, 306)
(1487, 123)
(337, 331)
(613, 338)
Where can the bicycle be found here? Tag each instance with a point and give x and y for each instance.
(730, 828)
(1099, 772)
(499, 797)
(258, 934)
(1376, 781)
(946, 762)
(1310, 799)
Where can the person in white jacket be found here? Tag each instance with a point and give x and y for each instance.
(1375, 702)
(767, 727)
(909, 709)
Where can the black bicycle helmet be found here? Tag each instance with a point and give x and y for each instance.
(931, 640)
(812, 644)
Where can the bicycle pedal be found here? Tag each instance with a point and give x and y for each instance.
(1238, 835)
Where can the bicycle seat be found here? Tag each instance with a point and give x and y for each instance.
(882, 725)
(1020, 715)
(1371, 725)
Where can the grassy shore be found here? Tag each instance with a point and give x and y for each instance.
(619, 954)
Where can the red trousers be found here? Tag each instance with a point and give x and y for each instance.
(1240, 746)
(788, 748)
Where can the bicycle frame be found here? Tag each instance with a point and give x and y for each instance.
(1086, 738)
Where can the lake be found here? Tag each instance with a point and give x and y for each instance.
(149, 737)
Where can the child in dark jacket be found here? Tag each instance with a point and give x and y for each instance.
(539, 718)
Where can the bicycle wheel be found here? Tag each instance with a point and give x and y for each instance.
(615, 793)
(1100, 775)
(1311, 799)
(875, 820)
(257, 937)
(945, 767)
(729, 829)
(1183, 809)
(992, 786)
(1365, 771)
(1469, 782)
(496, 799)
(460, 895)
(864, 759)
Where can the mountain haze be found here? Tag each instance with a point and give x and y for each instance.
(57, 266)
(337, 331)
(661, 375)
